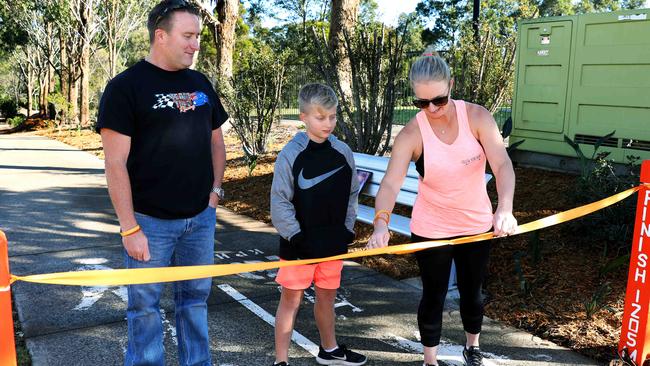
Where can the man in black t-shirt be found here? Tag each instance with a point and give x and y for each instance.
(165, 158)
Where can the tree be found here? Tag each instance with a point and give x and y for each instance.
(228, 13)
(448, 15)
(119, 19)
(375, 56)
(343, 17)
(251, 97)
(88, 28)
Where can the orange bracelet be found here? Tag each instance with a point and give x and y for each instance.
(131, 231)
(379, 217)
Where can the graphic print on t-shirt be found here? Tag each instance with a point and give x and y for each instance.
(181, 101)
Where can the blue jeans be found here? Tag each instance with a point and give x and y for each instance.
(181, 242)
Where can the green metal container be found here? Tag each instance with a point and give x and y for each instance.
(583, 76)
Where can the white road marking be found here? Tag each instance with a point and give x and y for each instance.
(296, 337)
(90, 295)
(450, 353)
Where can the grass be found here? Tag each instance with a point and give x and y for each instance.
(401, 115)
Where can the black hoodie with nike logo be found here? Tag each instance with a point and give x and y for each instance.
(314, 198)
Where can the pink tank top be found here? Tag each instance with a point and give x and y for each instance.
(452, 199)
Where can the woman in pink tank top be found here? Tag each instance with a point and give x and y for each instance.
(450, 141)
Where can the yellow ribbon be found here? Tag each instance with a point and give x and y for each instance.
(115, 277)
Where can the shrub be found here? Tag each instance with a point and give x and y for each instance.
(8, 108)
(252, 97)
(16, 121)
(611, 228)
(365, 114)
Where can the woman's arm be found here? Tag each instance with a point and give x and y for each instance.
(488, 135)
(402, 154)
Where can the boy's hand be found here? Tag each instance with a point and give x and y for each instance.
(379, 237)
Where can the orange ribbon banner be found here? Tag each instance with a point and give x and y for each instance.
(115, 277)
(634, 344)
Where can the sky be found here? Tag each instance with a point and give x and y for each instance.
(390, 10)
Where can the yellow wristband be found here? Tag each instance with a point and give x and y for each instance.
(131, 231)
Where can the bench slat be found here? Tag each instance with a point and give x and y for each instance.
(398, 224)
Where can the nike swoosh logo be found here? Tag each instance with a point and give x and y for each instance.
(304, 183)
(340, 358)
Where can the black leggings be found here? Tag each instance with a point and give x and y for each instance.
(435, 264)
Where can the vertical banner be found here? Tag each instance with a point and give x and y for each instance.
(635, 334)
(7, 345)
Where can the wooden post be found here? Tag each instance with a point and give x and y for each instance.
(635, 334)
(7, 344)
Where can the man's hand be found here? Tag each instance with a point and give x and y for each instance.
(214, 200)
(137, 246)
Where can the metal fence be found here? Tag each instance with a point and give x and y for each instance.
(299, 75)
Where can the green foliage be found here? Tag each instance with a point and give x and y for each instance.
(16, 121)
(615, 264)
(60, 104)
(612, 227)
(8, 107)
(365, 113)
(12, 32)
(597, 302)
(252, 97)
(447, 15)
(483, 64)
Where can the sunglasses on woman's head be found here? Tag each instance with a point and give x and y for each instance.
(437, 101)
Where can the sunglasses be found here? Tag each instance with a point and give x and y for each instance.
(176, 5)
(437, 101)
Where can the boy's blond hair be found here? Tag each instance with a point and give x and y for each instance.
(316, 94)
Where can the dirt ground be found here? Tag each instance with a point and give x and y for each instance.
(546, 297)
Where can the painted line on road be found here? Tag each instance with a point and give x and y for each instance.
(447, 352)
(296, 337)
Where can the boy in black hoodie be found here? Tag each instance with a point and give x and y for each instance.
(313, 207)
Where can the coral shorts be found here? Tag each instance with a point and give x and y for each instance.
(326, 275)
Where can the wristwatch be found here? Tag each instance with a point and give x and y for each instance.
(219, 192)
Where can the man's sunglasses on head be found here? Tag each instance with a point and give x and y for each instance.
(174, 5)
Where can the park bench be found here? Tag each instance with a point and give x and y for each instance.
(377, 166)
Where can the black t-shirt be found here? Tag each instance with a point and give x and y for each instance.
(169, 116)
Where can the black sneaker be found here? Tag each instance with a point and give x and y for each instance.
(280, 364)
(472, 356)
(340, 356)
(440, 363)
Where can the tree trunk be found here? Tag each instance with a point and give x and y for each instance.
(84, 63)
(228, 11)
(29, 80)
(342, 20)
(73, 90)
(111, 39)
(64, 76)
(476, 11)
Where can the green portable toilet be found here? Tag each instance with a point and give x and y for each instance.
(582, 76)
